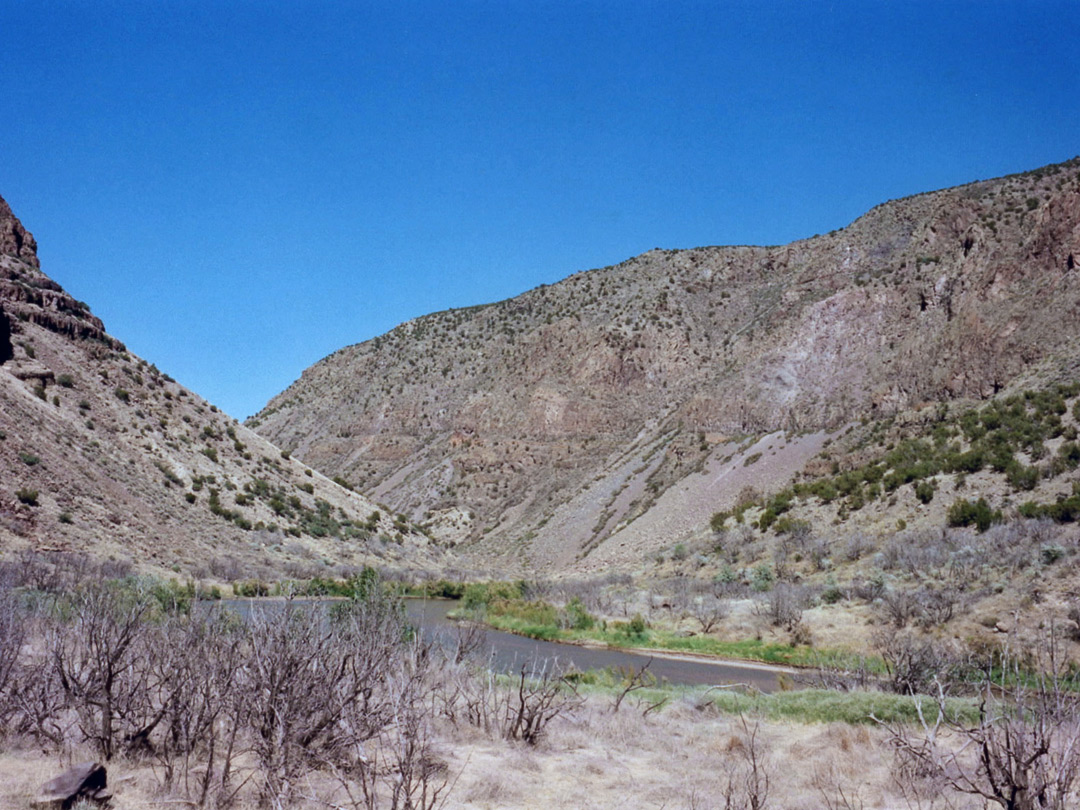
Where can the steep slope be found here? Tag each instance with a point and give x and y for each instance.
(520, 427)
(101, 452)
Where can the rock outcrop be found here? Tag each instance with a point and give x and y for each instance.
(15, 240)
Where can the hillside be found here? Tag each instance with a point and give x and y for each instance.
(103, 453)
(603, 417)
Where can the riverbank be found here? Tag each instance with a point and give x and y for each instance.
(625, 637)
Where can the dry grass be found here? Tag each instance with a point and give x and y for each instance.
(594, 759)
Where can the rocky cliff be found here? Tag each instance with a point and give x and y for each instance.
(545, 426)
(100, 452)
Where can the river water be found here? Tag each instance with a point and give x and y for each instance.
(509, 651)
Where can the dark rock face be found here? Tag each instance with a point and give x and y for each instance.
(7, 351)
(83, 782)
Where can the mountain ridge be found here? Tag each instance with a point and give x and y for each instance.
(101, 453)
(485, 421)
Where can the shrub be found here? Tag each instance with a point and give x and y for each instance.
(27, 496)
(1050, 554)
(1022, 478)
(967, 513)
(762, 578)
(924, 491)
(65, 381)
(122, 395)
(65, 517)
(717, 521)
(29, 459)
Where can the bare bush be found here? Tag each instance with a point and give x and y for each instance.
(746, 770)
(783, 606)
(708, 611)
(914, 665)
(94, 660)
(520, 709)
(939, 605)
(900, 607)
(13, 632)
(857, 546)
(1023, 752)
(304, 672)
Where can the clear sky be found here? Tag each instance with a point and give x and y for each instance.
(240, 188)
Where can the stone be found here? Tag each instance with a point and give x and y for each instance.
(84, 781)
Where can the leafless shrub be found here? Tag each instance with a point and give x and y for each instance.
(542, 694)
(746, 771)
(782, 552)
(633, 680)
(391, 762)
(939, 605)
(817, 550)
(914, 664)
(303, 674)
(467, 643)
(94, 660)
(205, 715)
(13, 632)
(519, 709)
(1023, 753)
(708, 611)
(783, 606)
(836, 792)
(828, 675)
(869, 590)
(857, 546)
(228, 569)
(900, 606)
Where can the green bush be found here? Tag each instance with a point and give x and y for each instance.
(967, 513)
(27, 496)
(29, 459)
(1022, 478)
(122, 395)
(717, 521)
(251, 588)
(762, 578)
(924, 491)
(482, 594)
(1050, 554)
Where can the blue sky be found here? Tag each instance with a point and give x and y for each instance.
(240, 188)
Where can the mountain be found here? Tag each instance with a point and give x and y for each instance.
(595, 420)
(100, 452)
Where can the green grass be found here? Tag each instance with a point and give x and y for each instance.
(796, 706)
(660, 640)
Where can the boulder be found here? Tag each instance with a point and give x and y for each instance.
(85, 781)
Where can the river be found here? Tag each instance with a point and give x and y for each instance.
(510, 651)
